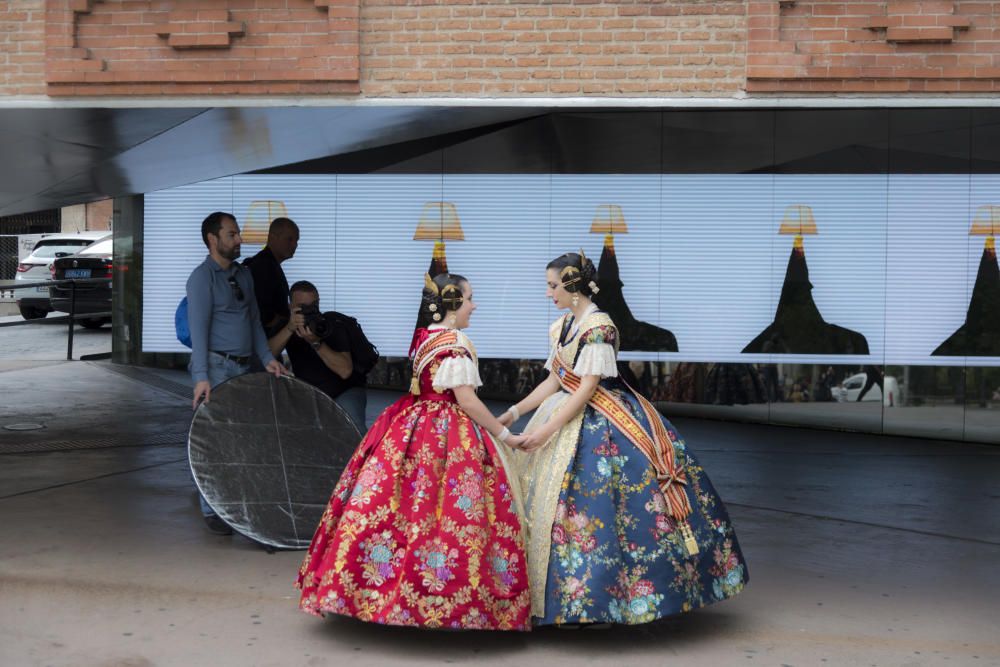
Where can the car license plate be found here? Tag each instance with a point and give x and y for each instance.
(77, 273)
(43, 289)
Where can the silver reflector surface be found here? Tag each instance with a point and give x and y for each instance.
(266, 453)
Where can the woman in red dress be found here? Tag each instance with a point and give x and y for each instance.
(423, 527)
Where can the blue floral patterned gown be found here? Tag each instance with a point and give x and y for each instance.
(602, 546)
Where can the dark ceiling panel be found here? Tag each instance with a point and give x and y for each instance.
(831, 141)
(56, 157)
(69, 156)
(44, 147)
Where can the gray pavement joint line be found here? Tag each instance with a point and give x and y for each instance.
(92, 479)
(30, 364)
(173, 389)
(63, 446)
(870, 524)
(281, 453)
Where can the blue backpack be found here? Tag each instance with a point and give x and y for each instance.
(181, 323)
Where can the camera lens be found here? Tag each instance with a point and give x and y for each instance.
(318, 325)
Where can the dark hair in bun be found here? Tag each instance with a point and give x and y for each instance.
(576, 272)
(441, 293)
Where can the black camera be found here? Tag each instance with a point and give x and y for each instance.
(316, 321)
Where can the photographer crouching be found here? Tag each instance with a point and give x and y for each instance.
(327, 350)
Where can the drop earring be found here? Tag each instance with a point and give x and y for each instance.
(576, 300)
(452, 321)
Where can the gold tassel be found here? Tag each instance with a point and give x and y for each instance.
(415, 385)
(689, 541)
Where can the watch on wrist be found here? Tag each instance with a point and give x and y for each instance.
(317, 345)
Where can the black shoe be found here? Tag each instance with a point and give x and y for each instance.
(217, 525)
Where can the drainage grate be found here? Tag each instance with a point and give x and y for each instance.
(152, 379)
(23, 426)
(162, 439)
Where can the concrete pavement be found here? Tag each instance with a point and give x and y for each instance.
(863, 550)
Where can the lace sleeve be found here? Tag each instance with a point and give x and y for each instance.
(457, 371)
(597, 359)
(597, 352)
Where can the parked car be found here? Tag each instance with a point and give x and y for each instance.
(94, 261)
(848, 390)
(34, 302)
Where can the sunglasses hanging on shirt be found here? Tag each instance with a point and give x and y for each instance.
(237, 290)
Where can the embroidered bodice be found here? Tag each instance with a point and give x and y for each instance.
(589, 349)
(453, 365)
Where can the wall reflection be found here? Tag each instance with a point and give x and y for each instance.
(943, 402)
(982, 404)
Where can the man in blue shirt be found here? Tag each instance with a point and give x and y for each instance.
(224, 321)
(222, 312)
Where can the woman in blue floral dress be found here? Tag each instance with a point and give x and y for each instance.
(623, 524)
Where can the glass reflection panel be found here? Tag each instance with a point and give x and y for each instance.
(841, 396)
(711, 390)
(982, 404)
(930, 404)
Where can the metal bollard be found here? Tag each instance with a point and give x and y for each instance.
(72, 320)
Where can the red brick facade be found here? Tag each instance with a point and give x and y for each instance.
(400, 48)
(96, 47)
(22, 47)
(578, 47)
(874, 47)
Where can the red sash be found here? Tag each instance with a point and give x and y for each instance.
(659, 449)
(425, 354)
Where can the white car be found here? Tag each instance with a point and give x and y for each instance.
(33, 302)
(848, 390)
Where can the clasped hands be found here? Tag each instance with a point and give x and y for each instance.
(526, 442)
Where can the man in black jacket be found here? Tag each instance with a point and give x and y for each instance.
(325, 361)
(269, 282)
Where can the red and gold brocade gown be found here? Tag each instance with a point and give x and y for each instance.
(422, 528)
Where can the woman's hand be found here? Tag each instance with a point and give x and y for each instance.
(506, 418)
(535, 439)
(514, 441)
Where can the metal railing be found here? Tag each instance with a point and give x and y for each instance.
(8, 256)
(72, 317)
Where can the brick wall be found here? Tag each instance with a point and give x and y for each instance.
(22, 47)
(552, 48)
(99, 47)
(497, 48)
(99, 214)
(878, 47)
(421, 47)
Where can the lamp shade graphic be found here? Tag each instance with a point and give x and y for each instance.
(799, 221)
(635, 334)
(439, 223)
(798, 326)
(257, 221)
(979, 336)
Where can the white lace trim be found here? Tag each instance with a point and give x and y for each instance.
(457, 372)
(597, 359)
(552, 356)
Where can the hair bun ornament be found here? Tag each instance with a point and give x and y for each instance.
(432, 307)
(451, 297)
(570, 278)
(436, 316)
(593, 287)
